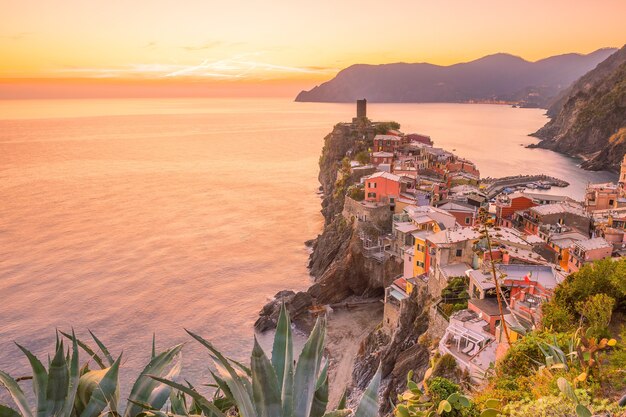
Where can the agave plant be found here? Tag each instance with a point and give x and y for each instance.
(279, 387)
(65, 390)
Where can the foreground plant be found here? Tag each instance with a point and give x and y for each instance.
(67, 390)
(279, 387)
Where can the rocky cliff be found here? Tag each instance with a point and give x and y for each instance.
(589, 118)
(337, 262)
(406, 350)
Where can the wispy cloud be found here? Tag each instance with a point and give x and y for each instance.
(245, 66)
(150, 45)
(203, 47)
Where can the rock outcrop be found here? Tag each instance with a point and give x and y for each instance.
(397, 354)
(337, 262)
(589, 118)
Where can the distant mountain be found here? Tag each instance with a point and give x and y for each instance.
(494, 77)
(589, 118)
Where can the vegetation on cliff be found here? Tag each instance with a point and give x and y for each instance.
(589, 118)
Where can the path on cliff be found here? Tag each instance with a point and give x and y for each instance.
(346, 330)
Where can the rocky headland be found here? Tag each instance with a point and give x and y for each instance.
(588, 120)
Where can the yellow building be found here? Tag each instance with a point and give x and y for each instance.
(419, 251)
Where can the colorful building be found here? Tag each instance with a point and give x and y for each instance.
(382, 187)
(586, 251)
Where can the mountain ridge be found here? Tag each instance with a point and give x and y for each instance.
(500, 76)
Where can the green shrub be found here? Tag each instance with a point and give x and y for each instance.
(440, 388)
(597, 311)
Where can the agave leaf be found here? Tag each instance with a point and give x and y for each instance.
(143, 387)
(209, 409)
(40, 380)
(8, 412)
(282, 349)
(16, 393)
(103, 348)
(241, 366)
(282, 359)
(58, 383)
(105, 392)
(237, 385)
(153, 345)
(368, 406)
(160, 394)
(320, 399)
(265, 389)
(307, 370)
(343, 400)
(223, 386)
(177, 403)
(74, 378)
(87, 349)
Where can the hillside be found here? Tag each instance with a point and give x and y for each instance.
(589, 118)
(494, 77)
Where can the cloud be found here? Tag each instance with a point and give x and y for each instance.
(150, 45)
(244, 66)
(204, 46)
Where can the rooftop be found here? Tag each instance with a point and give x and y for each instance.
(489, 306)
(545, 275)
(384, 174)
(455, 270)
(405, 227)
(591, 244)
(382, 154)
(557, 208)
(387, 137)
(459, 234)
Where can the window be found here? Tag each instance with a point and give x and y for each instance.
(467, 220)
(371, 195)
(611, 202)
(459, 252)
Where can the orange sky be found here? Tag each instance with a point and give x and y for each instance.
(300, 42)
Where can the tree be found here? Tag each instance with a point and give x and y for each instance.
(597, 310)
(363, 157)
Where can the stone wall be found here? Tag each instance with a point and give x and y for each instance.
(369, 212)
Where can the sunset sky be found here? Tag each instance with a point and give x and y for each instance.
(289, 41)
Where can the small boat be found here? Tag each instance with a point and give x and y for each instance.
(532, 186)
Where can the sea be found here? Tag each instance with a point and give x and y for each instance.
(134, 217)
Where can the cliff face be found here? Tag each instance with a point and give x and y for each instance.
(498, 76)
(396, 355)
(337, 262)
(589, 119)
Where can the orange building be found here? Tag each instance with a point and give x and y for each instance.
(507, 205)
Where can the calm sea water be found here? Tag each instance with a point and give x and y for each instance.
(129, 217)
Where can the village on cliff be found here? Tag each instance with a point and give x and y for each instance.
(419, 205)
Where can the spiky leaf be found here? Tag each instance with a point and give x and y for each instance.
(307, 370)
(368, 406)
(265, 389)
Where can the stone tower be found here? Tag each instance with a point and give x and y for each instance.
(361, 109)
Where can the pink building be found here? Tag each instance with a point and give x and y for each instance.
(381, 158)
(416, 137)
(382, 187)
(586, 251)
